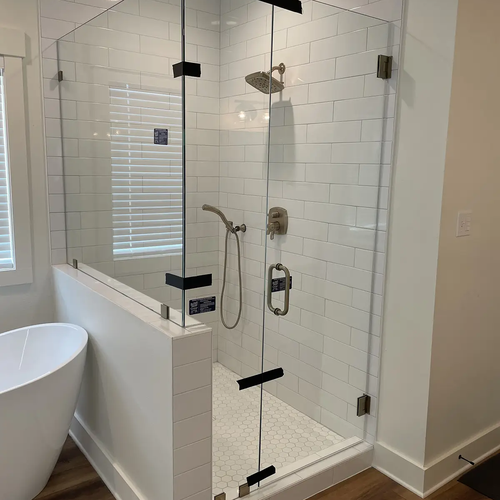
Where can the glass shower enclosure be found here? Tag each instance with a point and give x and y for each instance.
(227, 162)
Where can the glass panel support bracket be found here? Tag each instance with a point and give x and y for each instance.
(75, 263)
(189, 283)
(165, 311)
(292, 5)
(220, 496)
(243, 490)
(186, 68)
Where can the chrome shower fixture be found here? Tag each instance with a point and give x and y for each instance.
(262, 81)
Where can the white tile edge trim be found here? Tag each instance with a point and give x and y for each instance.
(423, 481)
(143, 313)
(118, 483)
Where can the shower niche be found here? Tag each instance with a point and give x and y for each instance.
(234, 156)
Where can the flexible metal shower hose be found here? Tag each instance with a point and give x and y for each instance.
(224, 283)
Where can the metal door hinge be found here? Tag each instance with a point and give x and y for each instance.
(60, 76)
(384, 70)
(220, 496)
(364, 404)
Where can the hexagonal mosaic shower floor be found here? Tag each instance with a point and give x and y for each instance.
(287, 434)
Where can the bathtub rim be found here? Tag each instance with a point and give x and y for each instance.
(78, 351)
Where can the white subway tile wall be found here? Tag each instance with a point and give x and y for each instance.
(330, 150)
(330, 156)
(192, 408)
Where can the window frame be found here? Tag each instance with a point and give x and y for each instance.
(13, 51)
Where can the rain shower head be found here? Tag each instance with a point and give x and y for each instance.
(263, 81)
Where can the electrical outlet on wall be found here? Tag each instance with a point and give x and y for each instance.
(464, 223)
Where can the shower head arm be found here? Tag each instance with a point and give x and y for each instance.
(228, 224)
(281, 68)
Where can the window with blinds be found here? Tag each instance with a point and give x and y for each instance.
(6, 241)
(146, 178)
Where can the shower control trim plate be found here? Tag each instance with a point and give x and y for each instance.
(277, 221)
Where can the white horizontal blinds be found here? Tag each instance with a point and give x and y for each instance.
(6, 241)
(146, 178)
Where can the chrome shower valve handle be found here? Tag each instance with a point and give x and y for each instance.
(273, 228)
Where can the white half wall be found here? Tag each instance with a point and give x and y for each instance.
(144, 417)
(125, 408)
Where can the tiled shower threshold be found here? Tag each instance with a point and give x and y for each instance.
(307, 455)
(301, 481)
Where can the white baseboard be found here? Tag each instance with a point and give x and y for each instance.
(399, 468)
(118, 483)
(423, 481)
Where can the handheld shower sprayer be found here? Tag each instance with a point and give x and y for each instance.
(230, 229)
(210, 208)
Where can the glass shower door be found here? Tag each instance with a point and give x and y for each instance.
(327, 180)
(226, 161)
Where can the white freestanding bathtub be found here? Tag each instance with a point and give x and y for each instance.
(41, 370)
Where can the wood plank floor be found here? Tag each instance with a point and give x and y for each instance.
(372, 485)
(75, 479)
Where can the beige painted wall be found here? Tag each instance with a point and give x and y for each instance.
(465, 369)
(29, 304)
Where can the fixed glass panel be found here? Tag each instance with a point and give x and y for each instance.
(202, 171)
(330, 134)
(121, 127)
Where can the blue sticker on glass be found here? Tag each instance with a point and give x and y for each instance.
(161, 136)
(200, 306)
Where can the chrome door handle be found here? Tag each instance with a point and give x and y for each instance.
(276, 310)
